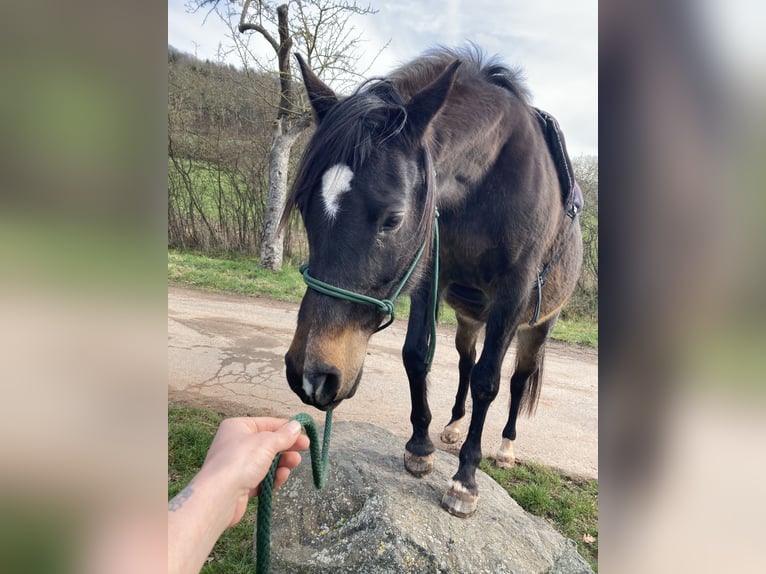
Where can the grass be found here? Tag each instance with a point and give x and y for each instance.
(577, 331)
(190, 432)
(569, 504)
(236, 273)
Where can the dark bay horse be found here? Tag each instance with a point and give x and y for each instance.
(451, 132)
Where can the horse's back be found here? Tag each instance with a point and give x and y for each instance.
(503, 224)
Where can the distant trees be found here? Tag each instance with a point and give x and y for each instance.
(217, 150)
(584, 303)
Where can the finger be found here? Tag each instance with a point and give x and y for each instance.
(289, 459)
(269, 424)
(259, 424)
(287, 435)
(301, 443)
(282, 475)
(268, 444)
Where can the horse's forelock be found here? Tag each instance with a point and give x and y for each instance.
(350, 132)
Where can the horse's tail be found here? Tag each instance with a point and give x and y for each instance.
(531, 395)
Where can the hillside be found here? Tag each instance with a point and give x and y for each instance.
(220, 123)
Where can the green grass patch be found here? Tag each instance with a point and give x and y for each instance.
(576, 331)
(190, 432)
(236, 273)
(569, 504)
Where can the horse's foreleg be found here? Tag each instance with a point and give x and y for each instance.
(526, 379)
(465, 343)
(419, 451)
(461, 497)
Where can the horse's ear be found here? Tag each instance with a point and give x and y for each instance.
(427, 102)
(322, 98)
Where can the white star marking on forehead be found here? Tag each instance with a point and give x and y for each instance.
(335, 182)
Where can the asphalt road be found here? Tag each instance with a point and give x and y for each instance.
(226, 352)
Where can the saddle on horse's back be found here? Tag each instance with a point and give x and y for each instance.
(571, 194)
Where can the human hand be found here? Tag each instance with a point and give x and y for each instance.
(241, 454)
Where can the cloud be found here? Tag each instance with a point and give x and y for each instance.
(198, 33)
(555, 42)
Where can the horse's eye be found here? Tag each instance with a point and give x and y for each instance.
(392, 222)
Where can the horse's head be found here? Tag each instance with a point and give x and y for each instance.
(363, 191)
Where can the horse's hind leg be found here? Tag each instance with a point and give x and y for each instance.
(465, 343)
(525, 382)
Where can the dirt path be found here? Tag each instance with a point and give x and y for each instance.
(226, 352)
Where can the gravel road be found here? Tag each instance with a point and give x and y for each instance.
(226, 352)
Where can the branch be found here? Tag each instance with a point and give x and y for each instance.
(245, 26)
(304, 122)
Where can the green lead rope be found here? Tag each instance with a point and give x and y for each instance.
(434, 295)
(319, 460)
(319, 466)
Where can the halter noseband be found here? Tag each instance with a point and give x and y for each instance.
(387, 305)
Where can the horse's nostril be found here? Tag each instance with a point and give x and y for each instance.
(321, 386)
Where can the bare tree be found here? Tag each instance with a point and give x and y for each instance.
(322, 31)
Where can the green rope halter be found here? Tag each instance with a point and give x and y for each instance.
(387, 305)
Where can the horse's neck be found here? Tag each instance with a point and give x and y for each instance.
(463, 156)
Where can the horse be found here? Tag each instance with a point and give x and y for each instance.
(445, 146)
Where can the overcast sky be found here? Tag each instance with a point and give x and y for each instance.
(555, 42)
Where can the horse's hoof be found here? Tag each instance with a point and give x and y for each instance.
(418, 465)
(451, 433)
(458, 501)
(505, 457)
(503, 462)
(450, 436)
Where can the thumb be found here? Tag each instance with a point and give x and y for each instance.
(286, 435)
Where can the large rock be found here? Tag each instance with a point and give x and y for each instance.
(373, 517)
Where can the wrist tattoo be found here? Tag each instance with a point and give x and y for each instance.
(178, 500)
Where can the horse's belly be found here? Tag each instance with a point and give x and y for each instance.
(467, 301)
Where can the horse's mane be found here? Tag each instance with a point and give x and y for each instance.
(476, 66)
(376, 111)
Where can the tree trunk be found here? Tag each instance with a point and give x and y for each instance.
(279, 160)
(272, 242)
(286, 102)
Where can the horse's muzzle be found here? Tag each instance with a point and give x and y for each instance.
(319, 386)
(324, 366)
